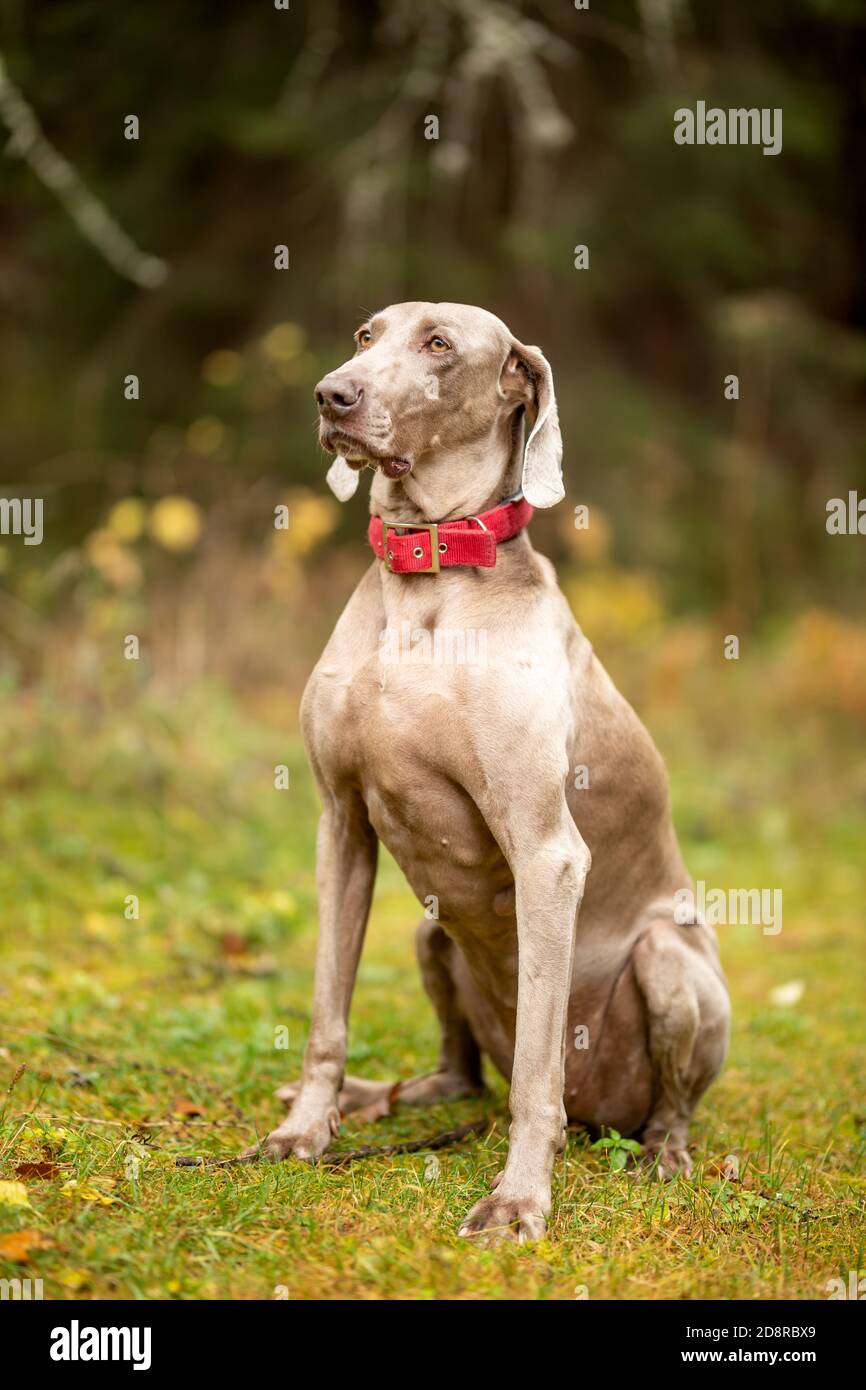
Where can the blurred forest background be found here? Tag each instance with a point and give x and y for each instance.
(305, 127)
(154, 778)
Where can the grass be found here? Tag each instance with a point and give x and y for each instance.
(149, 1038)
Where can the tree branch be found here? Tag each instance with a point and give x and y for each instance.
(93, 220)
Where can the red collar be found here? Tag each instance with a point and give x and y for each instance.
(436, 545)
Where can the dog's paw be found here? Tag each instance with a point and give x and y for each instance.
(292, 1140)
(498, 1218)
(662, 1161)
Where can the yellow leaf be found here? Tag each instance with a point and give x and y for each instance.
(13, 1194)
(18, 1245)
(87, 1192)
(126, 520)
(311, 519)
(175, 523)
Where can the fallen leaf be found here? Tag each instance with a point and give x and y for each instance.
(56, 1133)
(18, 1245)
(74, 1278)
(186, 1107)
(38, 1170)
(13, 1194)
(787, 995)
(87, 1192)
(231, 943)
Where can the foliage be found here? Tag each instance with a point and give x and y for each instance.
(307, 126)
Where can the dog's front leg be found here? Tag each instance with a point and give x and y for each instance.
(549, 877)
(345, 870)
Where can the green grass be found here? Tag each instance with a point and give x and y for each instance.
(128, 1027)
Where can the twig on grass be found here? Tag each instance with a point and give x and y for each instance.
(340, 1160)
(140, 1124)
(406, 1146)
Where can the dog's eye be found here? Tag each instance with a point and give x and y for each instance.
(364, 338)
(438, 345)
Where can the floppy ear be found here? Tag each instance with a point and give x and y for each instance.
(527, 376)
(341, 479)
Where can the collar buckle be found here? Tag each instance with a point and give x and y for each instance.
(432, 529)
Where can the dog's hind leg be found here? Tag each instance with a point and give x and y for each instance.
(688, 1016)
(459, 1070)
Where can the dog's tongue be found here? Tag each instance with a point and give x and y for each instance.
(396, 468)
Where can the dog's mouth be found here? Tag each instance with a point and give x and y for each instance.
(358, 454)
(394, 468)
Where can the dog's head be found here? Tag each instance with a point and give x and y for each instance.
(431, 380)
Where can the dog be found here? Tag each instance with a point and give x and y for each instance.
(555, 946)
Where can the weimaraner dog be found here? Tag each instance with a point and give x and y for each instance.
(495, 779)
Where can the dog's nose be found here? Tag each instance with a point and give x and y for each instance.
(337, 395)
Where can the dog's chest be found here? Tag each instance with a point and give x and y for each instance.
(396, 723)
(396, 693)
(390, 723)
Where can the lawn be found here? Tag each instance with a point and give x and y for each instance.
(164, 1034)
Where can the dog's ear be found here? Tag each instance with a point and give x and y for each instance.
(526, 377)
(341, 479)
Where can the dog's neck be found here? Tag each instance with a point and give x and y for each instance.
(449, 487)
